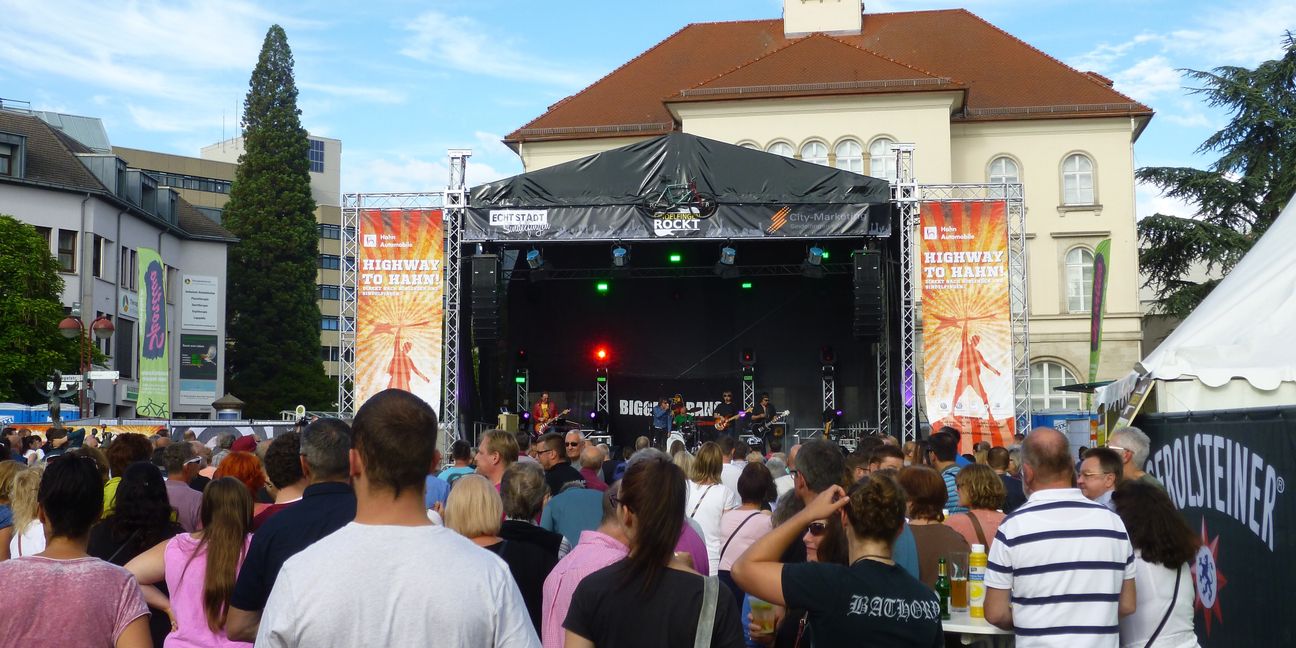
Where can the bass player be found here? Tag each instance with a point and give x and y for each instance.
(727, 416)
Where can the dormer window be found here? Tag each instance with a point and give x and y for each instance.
(11, 155)
(6, 159)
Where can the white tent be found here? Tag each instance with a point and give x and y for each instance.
(1238, 348)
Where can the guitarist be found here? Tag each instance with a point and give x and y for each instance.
(760, 417)
(725, 413)
(543, 412)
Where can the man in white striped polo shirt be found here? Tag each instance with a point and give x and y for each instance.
(1061, 568)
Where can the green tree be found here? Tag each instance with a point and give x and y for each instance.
(31, 347)
(274, 319)
(1239, 196)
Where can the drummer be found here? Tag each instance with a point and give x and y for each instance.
(661, 423)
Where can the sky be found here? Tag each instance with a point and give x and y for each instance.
(401, 81)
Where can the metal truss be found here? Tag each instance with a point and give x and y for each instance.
(904, 192)
(686, 272)
(454, 212)
(601, 394)
(522, 391)
(352, 205)
(828, 387)
(1018, 287)
(749, 391)
(882, 355)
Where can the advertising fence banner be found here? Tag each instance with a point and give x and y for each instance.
(1227, 473)
(399, 303)
(154, 366)
(967, 331)
(199, 360)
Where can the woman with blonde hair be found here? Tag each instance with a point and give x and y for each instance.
(28, 532)
(200, 568)
(982, 491)
(708, 499)
(683, 459)
(7, 471)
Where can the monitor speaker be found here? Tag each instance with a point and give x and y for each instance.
(485, 296)
(870, 300)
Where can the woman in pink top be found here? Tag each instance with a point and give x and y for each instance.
(981, 490)
(200, 568)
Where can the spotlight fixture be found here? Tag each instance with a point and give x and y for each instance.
(727, 255)
(816, 256)
(812, 267)
(534, 259)
(725, 266)
(620, 256)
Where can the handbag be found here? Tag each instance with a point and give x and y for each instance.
(706, 615)
(1173, 598)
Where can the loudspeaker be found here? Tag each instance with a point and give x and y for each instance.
(485, 296)
(870, 300)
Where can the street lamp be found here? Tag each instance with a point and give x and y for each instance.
(72, 327)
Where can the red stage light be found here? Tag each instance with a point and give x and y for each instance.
(601, 354)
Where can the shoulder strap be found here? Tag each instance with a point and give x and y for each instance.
(976, 525)
(1173, 598)
(129, 540)
(699, 502)
(735, 533)
(706, 616)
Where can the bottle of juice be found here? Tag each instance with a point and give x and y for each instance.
(976, 581)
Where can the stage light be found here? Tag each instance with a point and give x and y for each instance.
(620, 256)
(824, 255)
(519, 379)
(747, 358)
(602, 287)
(534, 259)
(602, 355)
(526, 415)
(592, 414)
(521, 357)
(826, 355)
(816, 256)
(676, 257)
(747, 285)
(727, 255)
(812, 266)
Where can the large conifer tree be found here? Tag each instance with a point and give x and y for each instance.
(274, 319)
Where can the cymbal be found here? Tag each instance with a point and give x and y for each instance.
(694, 410)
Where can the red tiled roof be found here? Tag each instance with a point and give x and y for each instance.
(1003, 77)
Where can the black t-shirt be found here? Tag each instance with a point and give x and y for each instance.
(611, 612)
(530, 565)
(559, 475)
(1015, 494)
(868, 604)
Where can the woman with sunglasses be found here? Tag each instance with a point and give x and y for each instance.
(840, 599)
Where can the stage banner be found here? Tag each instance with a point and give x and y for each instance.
(632, 400)
(399, 303)
(155, 369)
(1227, 473)
(967, 333)
(1101, 269)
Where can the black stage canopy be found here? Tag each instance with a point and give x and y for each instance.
(679, 186)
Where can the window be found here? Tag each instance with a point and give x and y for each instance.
(124, 340)
(815, 152)
(780, 148)
(1077, 180)
(67, 249)
(1079, 279)
(850, 156)
(1003, 170)
(317, 156)
(1047, 376)
(882, 162)
(328, 323)
(172, 284)
(329, 354)
(128, 270)
(330, 262)
(330, 231)
(749, 145)
(329, 291)
(6, 159)
(97, 262)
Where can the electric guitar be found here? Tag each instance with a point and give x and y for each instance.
(722, 422)
(763, 427)
(541, 426)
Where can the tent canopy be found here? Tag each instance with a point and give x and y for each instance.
(1243, 328)
(680, 186)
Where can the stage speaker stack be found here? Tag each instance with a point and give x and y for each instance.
(485, 297)
(870, 304)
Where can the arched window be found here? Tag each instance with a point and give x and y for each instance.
(816, 152)
(850, 156)
(1077, 180)
(1079, 279)
(1045, 378)
(749, 145)
(882, 162)
(1003, 170)
(780, 148)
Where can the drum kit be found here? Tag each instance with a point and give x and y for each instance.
(684, 428)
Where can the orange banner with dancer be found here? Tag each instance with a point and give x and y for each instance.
(399, 303)
(967, 330)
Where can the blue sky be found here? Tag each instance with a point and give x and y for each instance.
(399, 82)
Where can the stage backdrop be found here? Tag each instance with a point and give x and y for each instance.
(967, 333)
(154, 399)
(399, 303)
(1227, 472)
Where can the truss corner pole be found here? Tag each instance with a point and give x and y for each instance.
(828, 388)
(522, 391)
(905, 195)
(749, 390)
(1019, 300)
(455, 206)
(351, 205)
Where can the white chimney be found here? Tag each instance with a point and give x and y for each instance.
(842, 17)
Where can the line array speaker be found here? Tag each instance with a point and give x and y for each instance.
(485, 297)
(870, 301)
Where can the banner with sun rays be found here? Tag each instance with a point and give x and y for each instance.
(967, 333)
(399, 307)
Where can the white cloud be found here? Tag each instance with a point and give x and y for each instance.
(1235, 36)
(355, 92)
(461, 43)
(394, 172)
(166, 121)
(1149, 200)
(1149, 78)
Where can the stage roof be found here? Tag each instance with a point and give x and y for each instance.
(680, 186)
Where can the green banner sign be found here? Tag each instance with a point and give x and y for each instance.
(1101, 268)
(155, 384)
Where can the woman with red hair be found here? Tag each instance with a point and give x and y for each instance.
(247, 468)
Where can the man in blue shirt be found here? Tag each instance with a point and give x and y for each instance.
(661, 423)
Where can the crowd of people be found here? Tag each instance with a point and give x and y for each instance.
(342, 534)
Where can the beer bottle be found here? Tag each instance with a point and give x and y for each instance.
(942, 589)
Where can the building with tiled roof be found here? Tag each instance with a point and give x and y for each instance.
(835, 84)
(96, 212)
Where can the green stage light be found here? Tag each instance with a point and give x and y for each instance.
(601, 379)
(825, 255)
(676, 257)
(746, 285)
(601, 286)
(521, 380)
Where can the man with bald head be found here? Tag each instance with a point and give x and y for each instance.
(591, 461)
(1061, 571)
